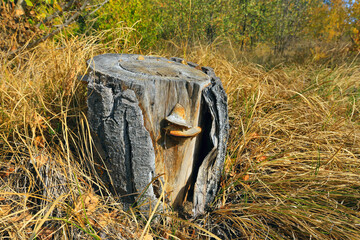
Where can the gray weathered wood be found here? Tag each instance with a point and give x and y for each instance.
(152, 116)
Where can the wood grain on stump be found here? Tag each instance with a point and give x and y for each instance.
(150, 117)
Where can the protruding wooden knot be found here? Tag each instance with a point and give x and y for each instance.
(178, 126)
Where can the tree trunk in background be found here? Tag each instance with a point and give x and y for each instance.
(155, 118)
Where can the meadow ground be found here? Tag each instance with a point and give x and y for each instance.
(292, 170)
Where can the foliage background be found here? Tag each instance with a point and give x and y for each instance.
(278, 25)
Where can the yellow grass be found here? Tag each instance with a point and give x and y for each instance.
(291, 172)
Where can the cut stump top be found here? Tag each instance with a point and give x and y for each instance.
(142, 68)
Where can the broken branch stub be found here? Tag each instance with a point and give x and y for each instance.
(150, 117)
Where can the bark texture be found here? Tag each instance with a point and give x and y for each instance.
(154, 117)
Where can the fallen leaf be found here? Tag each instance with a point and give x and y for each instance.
(148, 237)
(184, 62)
(39, 141)
(38, 119)
(25, 216)
(141, 58)
(13, 48)
(102, 220)
(260, 159)
(4, 210)
(41, 160)
(89, 201)
(246, 177)
(253, 135)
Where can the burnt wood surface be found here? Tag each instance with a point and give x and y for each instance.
(157, 118)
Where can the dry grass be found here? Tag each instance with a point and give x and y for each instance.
(292, 169)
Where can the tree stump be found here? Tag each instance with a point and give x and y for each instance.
(154, 117)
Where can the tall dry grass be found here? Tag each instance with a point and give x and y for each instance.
(291, 172)
(292, 169)
(47, 190)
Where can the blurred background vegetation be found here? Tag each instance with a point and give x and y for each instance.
(292, 28)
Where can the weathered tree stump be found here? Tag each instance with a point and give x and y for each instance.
(151, 116)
